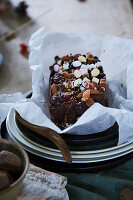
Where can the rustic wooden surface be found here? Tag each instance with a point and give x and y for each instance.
(96, 16)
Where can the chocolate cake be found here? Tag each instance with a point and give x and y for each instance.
(76, 83)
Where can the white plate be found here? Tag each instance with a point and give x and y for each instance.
(13, 117)
(77, 157)
(38, 153)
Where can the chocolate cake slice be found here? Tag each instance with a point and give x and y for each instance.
(76, 83)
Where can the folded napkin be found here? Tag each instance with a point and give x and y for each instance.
(40, 184)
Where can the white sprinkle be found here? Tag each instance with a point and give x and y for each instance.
(91, 66)
(78, 82)
(59, 62)
(60, 70)
(66, 66)
(82, 88)
(72, 84)
(75, 83)
(65, 85)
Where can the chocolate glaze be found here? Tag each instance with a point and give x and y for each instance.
(68, 100)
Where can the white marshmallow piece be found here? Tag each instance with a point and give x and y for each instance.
(95, 72)
(76, 63)
(78, 82)
(82, 59)
(77, 73)
(95, 81)
(84, 66)
(56, 68)
(91, 66)
(85, 82)
(66, 66)
(84, 69)
(59, 62)
(82, 88)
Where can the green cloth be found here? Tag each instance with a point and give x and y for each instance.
(103, 185)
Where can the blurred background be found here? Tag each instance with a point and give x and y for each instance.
(19, 19)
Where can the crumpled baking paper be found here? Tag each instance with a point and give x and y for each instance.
(7, 101)
(116, 55)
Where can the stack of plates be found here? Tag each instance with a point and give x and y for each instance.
(80, 154)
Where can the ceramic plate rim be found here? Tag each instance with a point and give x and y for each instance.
(82, 155)
(12, 111)
(36, 152)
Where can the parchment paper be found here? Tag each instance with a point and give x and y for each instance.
(116, 55)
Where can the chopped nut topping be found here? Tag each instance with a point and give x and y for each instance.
(53, 89)
(102, 89)
(86, 95)
(102, 80)
(91, 86)
(90, 102)
(93, 91)
(102, 85)
(79, 95)
(90, 58)
(65, 74)
(64, 58)
(66, 85)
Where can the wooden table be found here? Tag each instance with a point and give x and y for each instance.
(96, 16)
